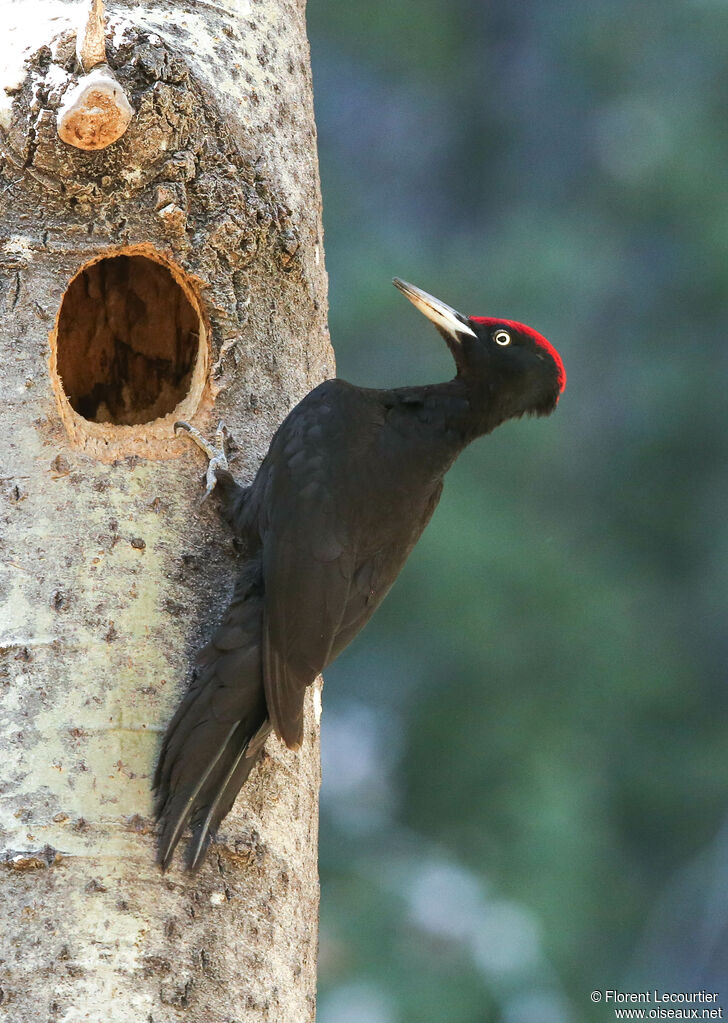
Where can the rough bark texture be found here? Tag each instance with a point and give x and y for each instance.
(111, 576)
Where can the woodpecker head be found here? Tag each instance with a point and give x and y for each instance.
(519, 370)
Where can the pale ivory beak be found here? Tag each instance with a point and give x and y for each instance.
(443, 316)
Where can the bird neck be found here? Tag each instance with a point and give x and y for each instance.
(447, 416)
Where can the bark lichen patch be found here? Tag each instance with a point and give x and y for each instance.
(26, 861)
(128, 354)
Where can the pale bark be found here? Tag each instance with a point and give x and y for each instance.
(111, 576)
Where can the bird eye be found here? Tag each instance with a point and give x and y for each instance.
(502, 337)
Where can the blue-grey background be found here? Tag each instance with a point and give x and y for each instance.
(525, 754)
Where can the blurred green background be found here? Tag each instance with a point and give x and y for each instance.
(525, 754)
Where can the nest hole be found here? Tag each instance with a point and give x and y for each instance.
(127, 341)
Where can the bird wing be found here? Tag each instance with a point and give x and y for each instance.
(309, 559)
(307, 567)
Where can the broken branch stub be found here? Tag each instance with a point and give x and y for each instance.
(90, 42)
(94, 113)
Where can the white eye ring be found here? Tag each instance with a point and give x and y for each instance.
(502, 337)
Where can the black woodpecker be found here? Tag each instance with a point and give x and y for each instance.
(350, 481)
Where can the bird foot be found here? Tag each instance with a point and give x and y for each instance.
(216, 452)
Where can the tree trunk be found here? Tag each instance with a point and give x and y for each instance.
(176, 273)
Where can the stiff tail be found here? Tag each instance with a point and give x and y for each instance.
(218, 731)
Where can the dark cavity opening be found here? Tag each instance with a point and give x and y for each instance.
(127, 341)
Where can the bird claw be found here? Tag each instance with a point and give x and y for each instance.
(216, 452)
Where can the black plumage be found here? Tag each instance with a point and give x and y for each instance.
(350, 481)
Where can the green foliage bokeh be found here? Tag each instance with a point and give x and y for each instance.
(525, 753)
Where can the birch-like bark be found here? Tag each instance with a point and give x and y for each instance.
(111, 576)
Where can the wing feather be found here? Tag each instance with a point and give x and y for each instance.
(309, 557)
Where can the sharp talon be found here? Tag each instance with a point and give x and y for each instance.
(216, 454)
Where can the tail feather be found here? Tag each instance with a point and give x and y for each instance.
(205, 756)
(215, 809)
(181, 807)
